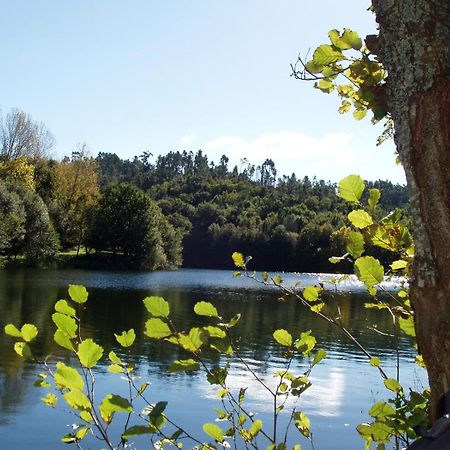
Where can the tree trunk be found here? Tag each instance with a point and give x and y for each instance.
(415, 50)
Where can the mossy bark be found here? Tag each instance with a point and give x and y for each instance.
(415, 49)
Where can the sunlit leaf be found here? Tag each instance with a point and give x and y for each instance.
(311, 293)
(126, 339)
(407, 325)
(50, 400)
(360, 218)
(326, 54)
(302, 423)
(184, 365)
(393, 385)
(369, 270)
(320, 354)
(355, 244)
(78, 400)
(12, 330)
(66, 324)
(63, 307)
(381, 409)
(256, 427)
(283, 337)
(374, 197)
(213, 431)
(205, 309)
(351, 188)
(78, 293)
(157, 306)
(89, 353)
(399, 265)
(111, 404)
(157, 329)
(23, 349)
(238, 259)
(61, 338)
(134, 431)
(67, 377)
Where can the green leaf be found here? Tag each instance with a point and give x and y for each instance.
(63, 307)
(68, 439)
(215, 332)
(381, 409)
(302, 423)
(369, 271)
(111, 404)
(78, 293)
(114, 358)
(360, 218)
(157, 329)
(359, 114)
(326, 86)
(407, 325)
(29, 332)
(320, 354)
(184, 365)
(311, 293)
(213, 431)
(205, 309)
(393, 385)
(283, 337)
(256, 427)
(23, 349)
(399, 265)
(115, 368)
(374, 197)
(135, 430)
(86, 416)
(326, 54)
(238, 259)
(81, 433)
(89, 353)
(126, 339)
(352, 39)
(66, 324)
(77, 399)
(355, 244)
(157, 306)
(234, 320)
(194, 340)
(351, 188)
(50, 400)
(336, 40)
(375, 361)
(217, 375)
(265, 276)
(158, 409)
(12, 330)
(306, 343)
(277, 279)
(67, 377)
(61, 338)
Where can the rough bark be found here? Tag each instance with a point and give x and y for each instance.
(415, 49)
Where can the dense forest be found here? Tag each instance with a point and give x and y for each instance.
(178, 209)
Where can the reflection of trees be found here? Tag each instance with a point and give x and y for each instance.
(108, 311)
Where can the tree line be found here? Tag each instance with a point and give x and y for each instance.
(164, 212)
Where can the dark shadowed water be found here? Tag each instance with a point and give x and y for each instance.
(344, 384)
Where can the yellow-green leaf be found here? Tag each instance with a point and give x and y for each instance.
(283, 337)
(311, 293)
(89, 353)
(77, 399)
(351, 188)
(360, 218)
(355, 244)
(157, 329)
(369, 271)
(63, 307)
(111, 404)
(157, 306)
(65, 323)
(184, 365)
(50, 400)
(326, 54)
(213, 431)
(61, 338)
(205, 309)
(238, 259)
(393, 385)
(399, 264)
(78, 293)
(12, 330)
(23, 349)
(126, 339)
(67, 377)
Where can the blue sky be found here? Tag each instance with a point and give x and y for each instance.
(143, 75)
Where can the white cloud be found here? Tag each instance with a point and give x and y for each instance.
(330, 157)
(187, 139)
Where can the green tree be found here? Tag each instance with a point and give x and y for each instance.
(129, 222)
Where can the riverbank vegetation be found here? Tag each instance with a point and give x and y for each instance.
(164, 212)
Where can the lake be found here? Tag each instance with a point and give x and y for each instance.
(344, 384)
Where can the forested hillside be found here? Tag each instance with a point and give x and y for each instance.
(164, 212)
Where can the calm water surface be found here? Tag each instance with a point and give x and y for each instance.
(344, 384)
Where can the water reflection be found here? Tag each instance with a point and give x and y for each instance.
(342, 385)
